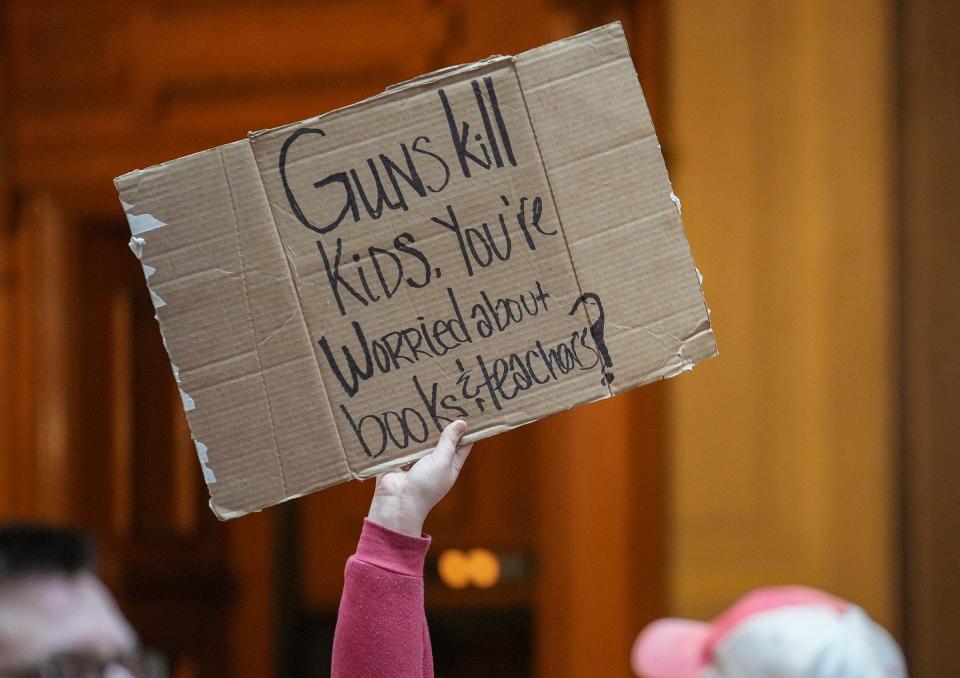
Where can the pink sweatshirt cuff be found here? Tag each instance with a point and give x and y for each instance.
(390, 550)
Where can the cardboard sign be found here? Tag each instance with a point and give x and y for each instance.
(494, 242)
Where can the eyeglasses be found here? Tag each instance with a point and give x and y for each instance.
(140, 663)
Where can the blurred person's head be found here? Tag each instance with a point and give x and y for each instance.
(789, 632)
(56, 616)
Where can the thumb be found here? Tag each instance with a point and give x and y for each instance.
(446, 448)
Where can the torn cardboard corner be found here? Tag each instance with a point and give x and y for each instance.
(496, 242)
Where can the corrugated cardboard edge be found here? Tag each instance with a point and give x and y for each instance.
(422, 82)
(444, 73)
(222, 198)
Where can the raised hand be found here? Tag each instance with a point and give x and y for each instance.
(403, 498)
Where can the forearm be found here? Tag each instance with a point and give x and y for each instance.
(381, 626)
(382, 629)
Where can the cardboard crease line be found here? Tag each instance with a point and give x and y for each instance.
(246, 299)
(556, 210)
(292, 267)
(633, 141)
(276, 330)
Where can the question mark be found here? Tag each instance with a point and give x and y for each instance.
(596, 331)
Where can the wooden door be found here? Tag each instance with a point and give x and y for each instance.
(930, 317)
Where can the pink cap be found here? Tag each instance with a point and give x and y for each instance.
(681, 648)
(671, 648)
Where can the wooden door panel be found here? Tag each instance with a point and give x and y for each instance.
(166, 554)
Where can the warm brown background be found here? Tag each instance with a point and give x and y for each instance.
(815, 147)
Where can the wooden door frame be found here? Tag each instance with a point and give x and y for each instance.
(929, 145)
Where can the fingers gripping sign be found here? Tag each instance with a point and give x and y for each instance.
(403, 498)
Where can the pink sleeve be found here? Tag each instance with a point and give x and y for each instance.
(381, 627)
